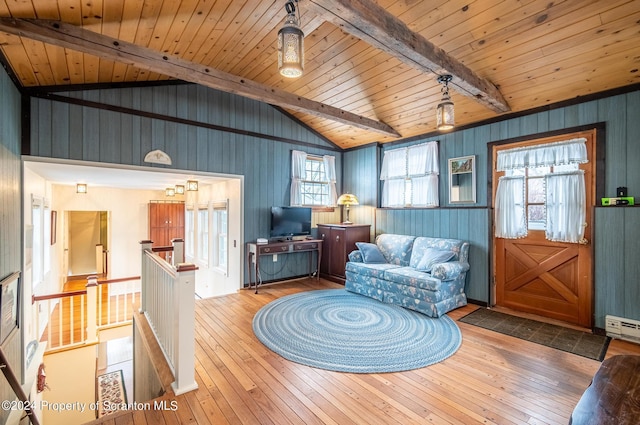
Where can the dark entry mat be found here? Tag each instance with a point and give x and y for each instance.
(565, 339)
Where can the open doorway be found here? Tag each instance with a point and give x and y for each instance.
(124, 194)
(86, 244)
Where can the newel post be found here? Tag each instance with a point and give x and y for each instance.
(92, 304)
(178, 251)
(144, 274)
(184, 322)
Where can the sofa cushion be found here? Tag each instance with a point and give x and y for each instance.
(433, 256)
(422, 243)
(370, 253)
(376, 270)
(396, 248)
(411, 277)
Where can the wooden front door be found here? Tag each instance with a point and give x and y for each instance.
(546, 278)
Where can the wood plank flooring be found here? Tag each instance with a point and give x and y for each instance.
(492, 379)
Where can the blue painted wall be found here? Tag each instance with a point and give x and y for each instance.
(617, 287)
(10, 214)
(60, 129)
(63, 130)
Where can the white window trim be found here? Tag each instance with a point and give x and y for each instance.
(299, 161)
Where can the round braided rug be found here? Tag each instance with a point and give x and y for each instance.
(338, 330)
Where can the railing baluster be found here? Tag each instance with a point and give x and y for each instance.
(83, 332)
(72, 328)
(48, 321)
(60, 323)
(100, 320)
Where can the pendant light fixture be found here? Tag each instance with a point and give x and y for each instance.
(291, 44)
(444, 111)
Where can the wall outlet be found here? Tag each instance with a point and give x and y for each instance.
(275, 258)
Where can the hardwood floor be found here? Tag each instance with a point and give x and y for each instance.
(492, 379)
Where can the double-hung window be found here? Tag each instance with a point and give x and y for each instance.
(220, 230)
(410, 176)
(203, 234)
(189, 229)
(313, 180)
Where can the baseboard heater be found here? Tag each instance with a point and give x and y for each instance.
(621, 328)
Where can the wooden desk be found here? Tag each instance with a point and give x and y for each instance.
(613, 396)
(255, 251)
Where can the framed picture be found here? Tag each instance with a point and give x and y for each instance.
(462, 179)
(9, 305)
(54, 226)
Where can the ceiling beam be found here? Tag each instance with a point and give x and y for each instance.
(371, 23)
(82, 40)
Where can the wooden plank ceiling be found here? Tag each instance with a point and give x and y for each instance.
(527, 53)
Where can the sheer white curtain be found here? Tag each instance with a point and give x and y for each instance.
(566, 206)
(298, 170)
(565, 201)
(422, 159)
(393, 193)
(424, 191)
(572, 151)
(330, 172)
(420, 165)
(510, 219)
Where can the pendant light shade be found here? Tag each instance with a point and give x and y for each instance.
(444, 112)
(291, 45)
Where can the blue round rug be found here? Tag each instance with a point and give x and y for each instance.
(338, 330)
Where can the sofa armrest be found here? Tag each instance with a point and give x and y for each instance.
(449, 270)
(356, 256)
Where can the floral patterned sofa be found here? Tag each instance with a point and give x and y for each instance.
(420, 273)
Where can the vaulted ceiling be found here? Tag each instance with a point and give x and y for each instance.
(371, 67)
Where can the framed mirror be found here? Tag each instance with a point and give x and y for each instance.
(462, 179)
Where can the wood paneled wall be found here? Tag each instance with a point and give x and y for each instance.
(619, 295)
(10, 213)
(617, 272)
(184, 121)
(63, 130)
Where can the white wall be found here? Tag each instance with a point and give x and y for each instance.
(37, 186)
(65, 387)
(84, 235)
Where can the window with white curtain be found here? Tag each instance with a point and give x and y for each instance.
(542, 189)
(410, 176)
(313, 180)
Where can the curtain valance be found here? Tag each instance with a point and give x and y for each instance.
(572, 151)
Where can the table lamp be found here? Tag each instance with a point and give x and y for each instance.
(347, 199)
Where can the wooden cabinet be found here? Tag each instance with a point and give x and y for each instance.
(338, 240)
(166, 222)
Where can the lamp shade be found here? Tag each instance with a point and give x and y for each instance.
(348, 199)
(192, 185)
(291, 45)
(445, 114)
(445, 119)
